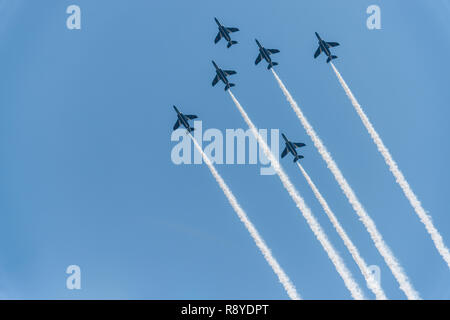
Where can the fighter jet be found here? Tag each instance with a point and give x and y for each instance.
(222, 75)
(225, 32)
(290, 147)
(183, 120)
(325, 47)
(265, 53)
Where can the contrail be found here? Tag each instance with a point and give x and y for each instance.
(282, 276)
(341, 268)
(400, 179)
(382, 247)
(372, 284)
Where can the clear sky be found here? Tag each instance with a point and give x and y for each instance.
(86, 116)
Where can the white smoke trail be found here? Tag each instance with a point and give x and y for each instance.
(372, 283)
(400, 179)
(282, 276)
(382, 247)
(341, 268)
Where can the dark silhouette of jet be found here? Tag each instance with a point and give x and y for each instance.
(265, 53)
(183, 120)
(225, 33)
(222, 75)
(325, 47)
(290, 147)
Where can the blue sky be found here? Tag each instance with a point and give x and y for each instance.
(86, 176)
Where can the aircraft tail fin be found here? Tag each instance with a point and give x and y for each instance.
(331, 58)
(273, 64)
(231, 43)
(229, 85)
(298, 158)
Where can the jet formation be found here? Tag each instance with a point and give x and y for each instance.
(224, 32)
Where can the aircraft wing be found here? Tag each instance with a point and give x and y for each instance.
(215, 80)
(229, 72)
(273, 50)
(218, 37)
(318, 51)
(332, 44)
(285, 152)
(191, 116)
(176, 125)
(232, 29)
(258, 58)
(299, 144)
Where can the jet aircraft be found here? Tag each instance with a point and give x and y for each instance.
(222, 75)
(325, 47)
(265, 53)
(224, 32)
(183, 120)
(290, 147)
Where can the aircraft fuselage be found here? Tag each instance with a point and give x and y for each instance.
(290, 146)
(264, 53)
(325, 47)
(182, 119)
(221, 75)
(223, 31)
